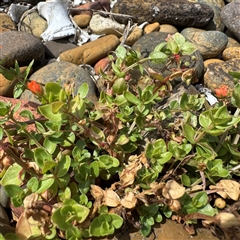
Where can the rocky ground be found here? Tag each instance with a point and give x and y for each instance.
(67, 39)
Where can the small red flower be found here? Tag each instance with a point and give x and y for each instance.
(35, 88)
(222, 91)
(177, 57)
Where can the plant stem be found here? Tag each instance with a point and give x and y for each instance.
(135, 64)
(7, 149)
(26, 132)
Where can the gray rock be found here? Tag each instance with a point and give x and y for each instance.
(20, 46)
(5, 228)
(4, 220)
(148, 42)
(209, 43)
(4, 198)
(64, 72)
(55, 48)
(230, 16)
(217, 74)
(3, 216)
(216, 5)
(180, 13)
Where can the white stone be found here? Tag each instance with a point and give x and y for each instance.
(16, 11)
(59, 24)
(101, 25)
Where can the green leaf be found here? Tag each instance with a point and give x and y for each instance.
(149, 210)
(117, 221)
(234, 74)
(208, 210)
(48, 165)
(84, 187)
(17, 69)
(158, 57)
(165, 157)
(189, 133)
(107, 162)
(17, 200)
(149, 220)
(9, 74)
(131, 98)
(4, 108)
(11, 176)
(188, 48)
(18, 90)
(69, 139)
(41, 156)
(179, 39)
(52, 87)
(216, 168)
(200, 200)
(13, 190)
(56, 106)
(117, 70)
(46, 111)
(121, 52)
(83, 90)
(57, 217)
(27, 114)
(73, 233)
(145, 228)
(159, 47)
(45, 183)
(33, 184)
(106, 229)
(186, 181)
(184, 101)
(235, 99)
(10, 236)
(49, 145)
(205, 119)
(123, 139)
(27, 71)
(173, 46)
(119, 86)
(63, 165)
(158, 217)
(94, 167)
(105, 224)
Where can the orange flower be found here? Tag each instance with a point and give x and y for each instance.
(222, 91)
(35, 88)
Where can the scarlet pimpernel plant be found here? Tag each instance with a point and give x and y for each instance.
(89, 167)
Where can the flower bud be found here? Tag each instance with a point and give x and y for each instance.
(35, 88)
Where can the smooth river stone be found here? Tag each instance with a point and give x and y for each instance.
(180, 13)
(91, 52)
(209, 43)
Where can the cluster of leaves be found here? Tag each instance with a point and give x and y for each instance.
(89, 167)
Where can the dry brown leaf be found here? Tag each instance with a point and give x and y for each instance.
(173, 190)
(127, 176)
(227, 188)
(111, 198)
(26, 227)
(129, 201)
(97, 192)
(29, 200)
